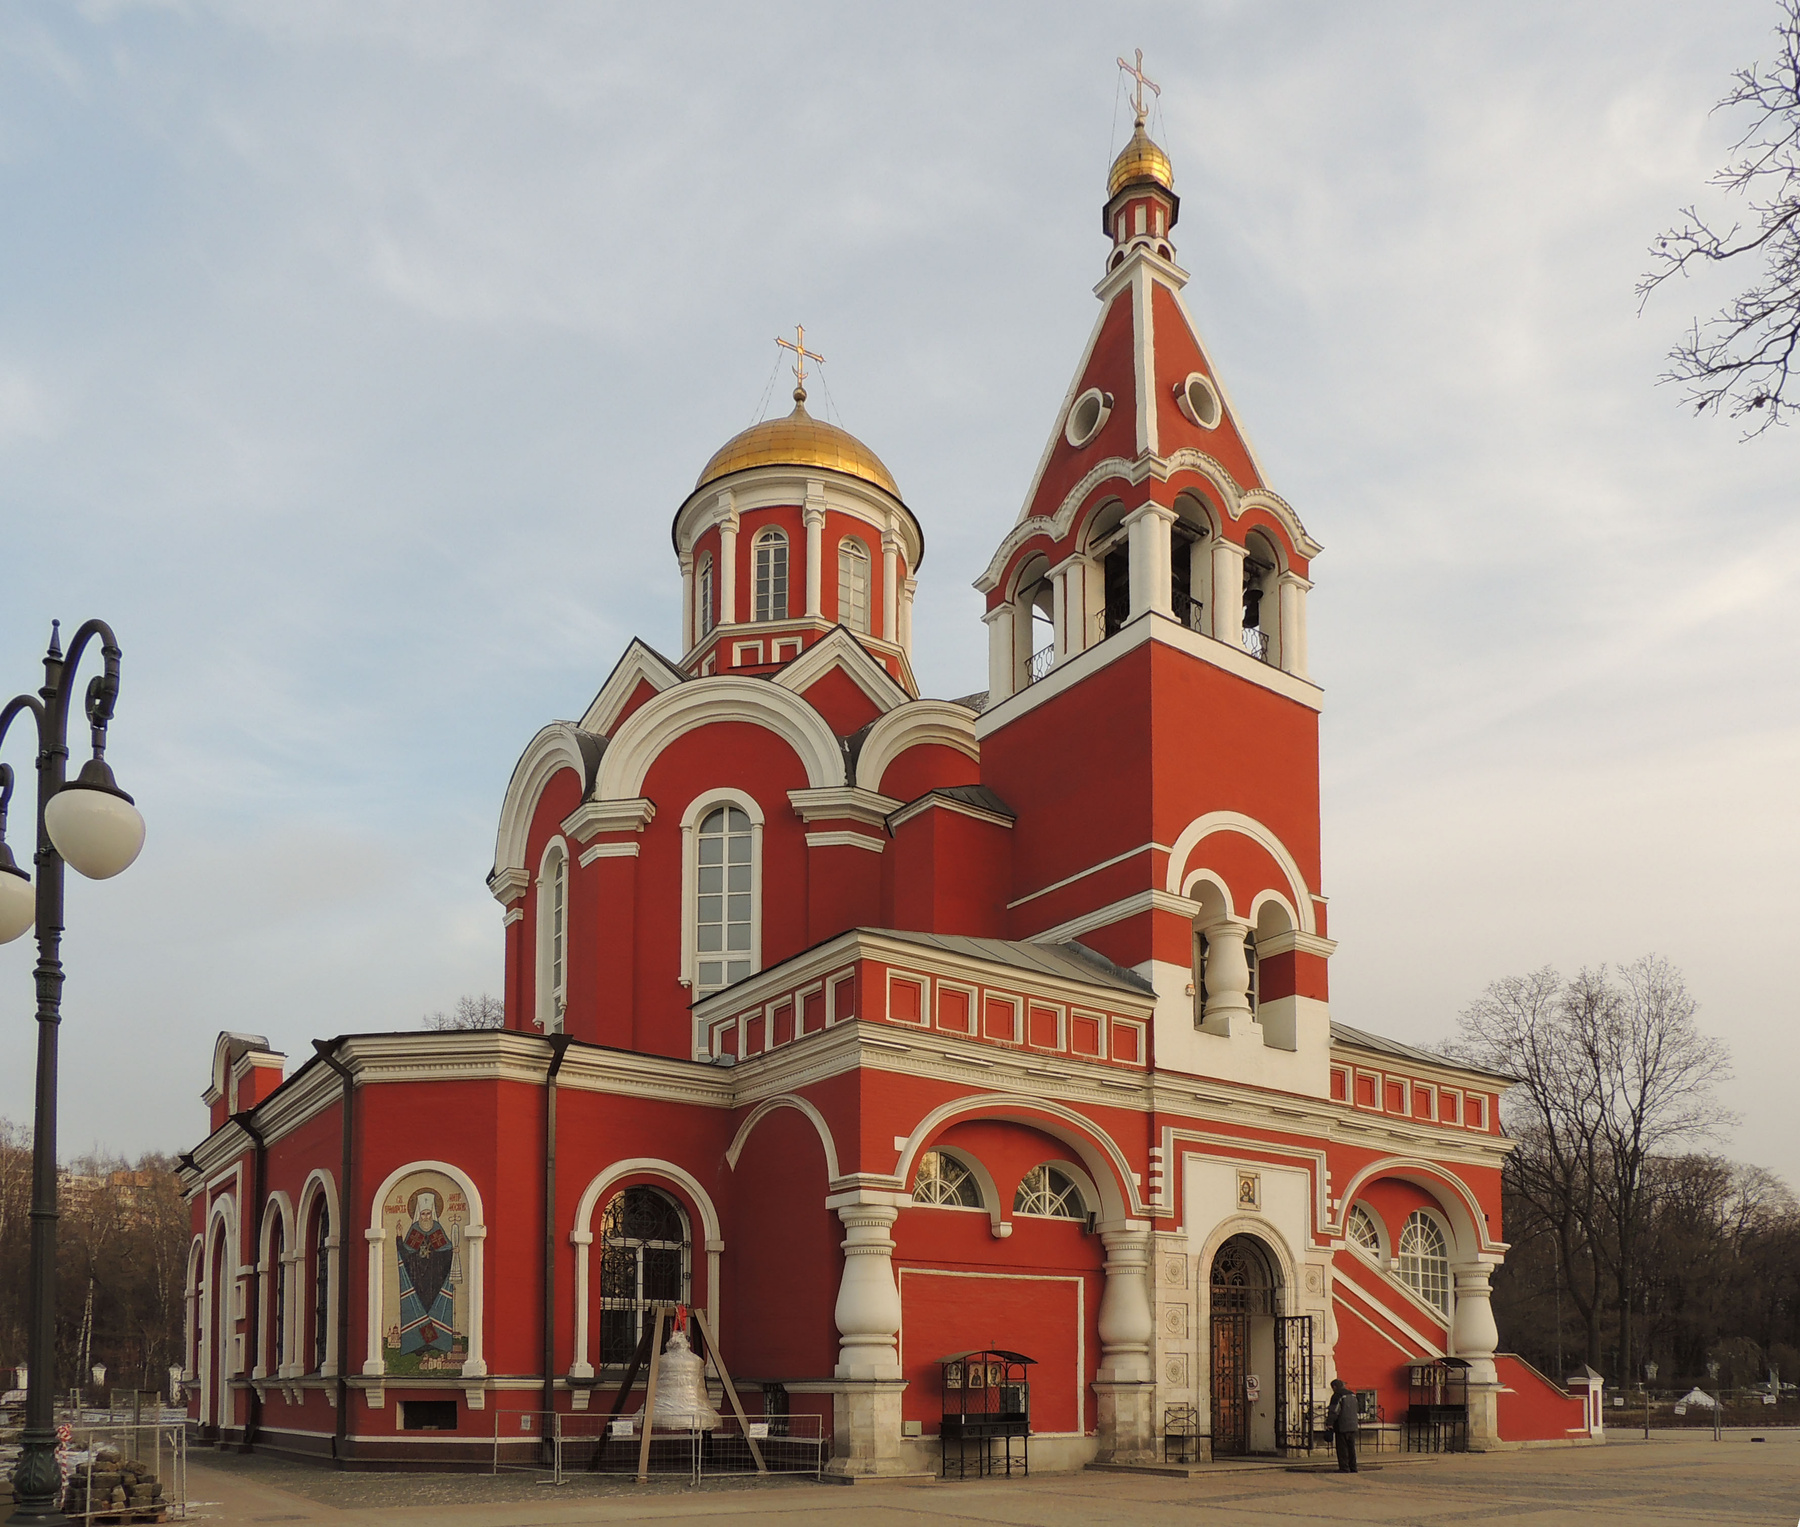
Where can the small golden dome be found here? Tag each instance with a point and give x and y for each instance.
(799, 440)
(1140, 160)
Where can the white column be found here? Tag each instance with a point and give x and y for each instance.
(1150, 553)
(999, 622)
(293, 1364)
(727, 570)
(690, 627)
(474, 1241)
(868, 1302)
(890, 587)
(1068, 607)
(581, 1368)
(1227, 978)
(334, 1270)
(259, 1366)
(714, 1251)
(1473, 1334)
(1123, 1383)
(1228, 591)
(907, 590)
(373, 1366)
(1293, 590)
(814, 517)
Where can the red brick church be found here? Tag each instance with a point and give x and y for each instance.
(879, 1027)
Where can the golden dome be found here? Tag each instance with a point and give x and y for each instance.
(1140, 160)
(799, 440)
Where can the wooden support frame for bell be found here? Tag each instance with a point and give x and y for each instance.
(650, 1345)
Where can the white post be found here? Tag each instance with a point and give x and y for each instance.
(1227, 977)
(890, 587)
(1150, 554)
(727, 573)
(907, 590)
(373, 1366)
(866, 1407)
(813, 514)
(1228, 591)
(689, 625)
(999, 622)
(1123, 1383)
(1068, 621)
(1473, 1337)
(1293, 590)
(474, 1238)
(581, 1368)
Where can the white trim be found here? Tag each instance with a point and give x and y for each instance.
(658, 723)
(608, 851)
(845, 840)
(838, 648)
(591, 818)
(581, 1236)
(283, 1214)
(1203, 827)
(1092, 869)
(550, 997)
(474, 1236)
(639, 664)
(1463, 1216)
(843, 803)
(320, 1183)
(1079, 439)
(801, 1105)
(556, 747)
(696, 813)
(1143, 323)
(908, 726)
(937, 800)
(1134, 905)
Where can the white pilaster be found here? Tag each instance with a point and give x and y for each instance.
(1228, 591)
(580, 1367)
(999, 622)
(474, 1239)
(813, 515)
(890, 587)
(1150, 553)
(373, 1366)
(690, 627)
(907, 590)
(1293, 590)
(727, 571)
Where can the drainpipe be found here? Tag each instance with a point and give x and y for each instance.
(261, 1180)
(559, 1047)
(327, 1052)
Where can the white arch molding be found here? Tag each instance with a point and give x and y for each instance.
(216, 1323)
(190, 1351)
(799, 1105)
(1106, 1164)
(277, 1210)
(474, 1236)
(910, 725)
(1455, 1200)
(1203, 827)
(320, 1184)
(582, 1237)
(558, 746)
(657, 723)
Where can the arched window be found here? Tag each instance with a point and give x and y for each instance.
(724, 912)
(1425, 1260)
(771, 575)
(645, 1253)
(1242, 1280)
(853, 584)
(321, 1289)
(1048, 1192)
(703, 594)
(553, 938)
(945, 1183)
(1362, 1233)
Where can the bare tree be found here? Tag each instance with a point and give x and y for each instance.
(1742, 360)
(483, 1012)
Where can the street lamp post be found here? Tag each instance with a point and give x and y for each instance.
(91, 823)
(1649, 1379)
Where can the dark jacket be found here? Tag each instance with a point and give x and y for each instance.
(1342, 1414)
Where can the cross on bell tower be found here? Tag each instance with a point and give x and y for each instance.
(1136, 71)
(801, 356)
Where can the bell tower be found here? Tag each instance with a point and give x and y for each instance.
(1151, 715)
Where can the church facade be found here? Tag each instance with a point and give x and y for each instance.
(880, 1027)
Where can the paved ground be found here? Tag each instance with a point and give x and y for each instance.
(1679, 1479)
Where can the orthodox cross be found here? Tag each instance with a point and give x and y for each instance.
(801, 356)
(1136, 71)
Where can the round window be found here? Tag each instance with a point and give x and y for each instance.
(1086, 416)
(1199, 400)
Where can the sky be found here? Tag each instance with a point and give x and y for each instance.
(354, 358)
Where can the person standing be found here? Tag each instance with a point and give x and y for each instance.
(1343, 1419)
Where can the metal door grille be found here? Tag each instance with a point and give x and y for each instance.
(1230, 1362)
(1293, 1383)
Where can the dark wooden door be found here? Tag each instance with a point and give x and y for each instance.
(1230, 1364)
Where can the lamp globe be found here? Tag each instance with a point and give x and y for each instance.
(18, 899)
(94, 824)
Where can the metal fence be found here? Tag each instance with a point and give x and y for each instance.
(591, 1443)
(124, 1471)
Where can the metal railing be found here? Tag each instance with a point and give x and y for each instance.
(1187, 611)
(1042, 661)
(1256, 642)
(120, 1472)
(595, 1443)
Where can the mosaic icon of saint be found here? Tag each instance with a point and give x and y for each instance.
(428, 1277)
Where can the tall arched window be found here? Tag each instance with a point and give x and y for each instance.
(1361, 1232)
(1050, 1193)
(724, 912)
(703, 594)
(771, 575)
(945, 1183)
(645, 1257)
(278, 1297)
(553, 938)
(321, 1286)
(1425, 1260)
(853, 584)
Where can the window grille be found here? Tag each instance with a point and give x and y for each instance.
(321, 1286)
(1242, 1281)
(1360, 1228)
(1425, 1260)
(704, 595)
(771, 576)
(723, 914)
(1046, 1191)
(853, 584)
(645, 1259)
(945, 1182)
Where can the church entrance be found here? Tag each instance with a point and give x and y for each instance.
(1261, 1359)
